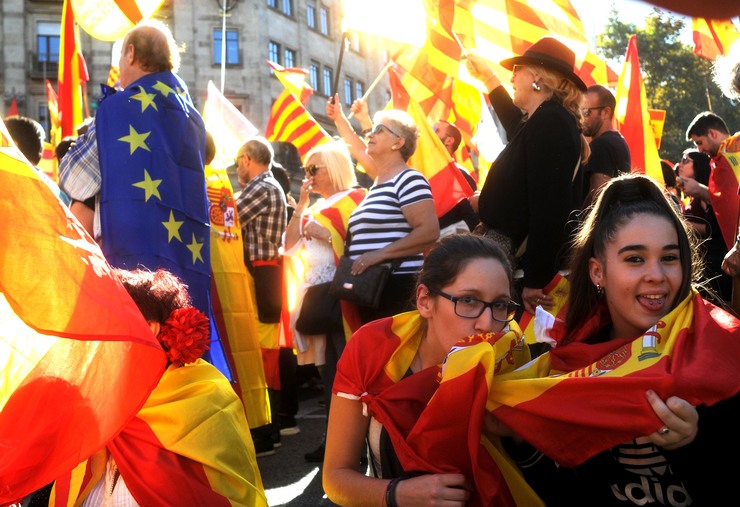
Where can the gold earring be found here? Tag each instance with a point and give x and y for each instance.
(599, 289)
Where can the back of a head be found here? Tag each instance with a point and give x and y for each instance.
(156, 293)
(281, 175)
(63, 147)
(28, 135)
(154, 45)
(669, 176)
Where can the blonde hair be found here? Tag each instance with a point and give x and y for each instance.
(335, 156)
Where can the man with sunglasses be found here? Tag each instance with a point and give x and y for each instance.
(610, 154)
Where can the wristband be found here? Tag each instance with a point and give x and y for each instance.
(390, 492)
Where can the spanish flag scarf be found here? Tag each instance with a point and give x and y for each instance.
(433, 428)
(583, 398)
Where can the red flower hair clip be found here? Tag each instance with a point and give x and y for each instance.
(185, 335)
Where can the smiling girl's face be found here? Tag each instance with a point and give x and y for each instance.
(640, 273)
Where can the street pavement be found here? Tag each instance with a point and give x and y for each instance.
(288, 478)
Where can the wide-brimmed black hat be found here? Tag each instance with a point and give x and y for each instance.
(551, 54)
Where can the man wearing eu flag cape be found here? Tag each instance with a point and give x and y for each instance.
(136, 178)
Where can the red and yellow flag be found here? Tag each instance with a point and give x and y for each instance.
(591, 396)
(13, 109)
(291, 122)
(634, 118)
(432, 427)
(72, 73)
(723, 184)
(294, 80)
(713, 37)
(189, 445)
(79, 360)
(232, 309)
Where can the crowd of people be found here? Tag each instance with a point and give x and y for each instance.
(644, 341)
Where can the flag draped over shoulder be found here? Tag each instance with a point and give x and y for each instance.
(72, 73)
(723, 184)
(234, 315)
(713, 37)
(78, 358)
(189, 445)
(591, 397)
(634, 118)
(427, 419)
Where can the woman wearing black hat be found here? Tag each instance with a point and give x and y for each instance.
(527, 197)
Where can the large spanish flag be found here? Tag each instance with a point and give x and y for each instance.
(78, 359)
(432, 427)
(713, 37)
(582, 398)
(723, 184)
(189, 445)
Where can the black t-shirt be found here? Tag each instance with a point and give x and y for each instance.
(610, 155)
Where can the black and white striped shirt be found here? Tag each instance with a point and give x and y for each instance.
(379, 221)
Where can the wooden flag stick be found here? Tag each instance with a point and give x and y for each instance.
(374, 84)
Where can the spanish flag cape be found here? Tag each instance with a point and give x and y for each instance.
(78, 360)
(435, 417)
(189, 445)
(723, 184)
(235, 316)
(582, 398)
(334, 215)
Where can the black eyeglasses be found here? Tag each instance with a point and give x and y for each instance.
(377, 129)
(312, 169)
(586, 111)
(471, 308)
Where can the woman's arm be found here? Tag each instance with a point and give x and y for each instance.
(422, 217)
(355, 143)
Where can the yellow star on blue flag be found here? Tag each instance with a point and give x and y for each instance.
(150, 186)
(195, 248)
(173, 229)
(146, 99)
(135, 140)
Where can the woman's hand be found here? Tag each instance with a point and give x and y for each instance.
(334, 108)
(366, 260)
(680, 419)
(451, 490)
(532, 298)
(314, 230)
(480, 70)
(360, 111)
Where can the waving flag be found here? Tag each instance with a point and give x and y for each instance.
(78, 358)
(294, 80)
(634, 117)
(723, 184)
(591, 397)
(109, 20)
(227, 125)
(713, 37)
(72, 74)
(291, 122)
(13, 109)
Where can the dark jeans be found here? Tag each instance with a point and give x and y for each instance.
(288, 383)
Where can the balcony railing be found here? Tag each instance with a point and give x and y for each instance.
(43, 65)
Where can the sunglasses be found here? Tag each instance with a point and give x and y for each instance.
(377, 129)
(586, 111)
(312, 169)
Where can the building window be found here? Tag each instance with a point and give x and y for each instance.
(272, 3)
(354, 41)
(359, 89)
(273, 51)
(232, 46)
(47, 42)
(290, 58)
(347, 91)
(311, 16)
(287, 7)
(324, 20)
(313, 75)
(327, 81)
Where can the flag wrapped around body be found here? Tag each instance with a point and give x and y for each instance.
(723, 184)
(691, 353)
(188, 445)
(427, 419)
(78, 358)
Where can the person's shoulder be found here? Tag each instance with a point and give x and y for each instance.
(552, 115)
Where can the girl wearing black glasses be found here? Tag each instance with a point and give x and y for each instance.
(413, 389)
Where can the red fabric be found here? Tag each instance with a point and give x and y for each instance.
(723, 191)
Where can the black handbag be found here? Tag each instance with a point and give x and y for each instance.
(364, 289)
(320, 312)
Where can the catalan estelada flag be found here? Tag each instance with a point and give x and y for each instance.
(291, 122)
(723, 185)
(189, 445)
(713, 37)
(591, 396)
(434, 417)
(78, 358)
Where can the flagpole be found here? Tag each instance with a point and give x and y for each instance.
(374, 84)
(342, 50)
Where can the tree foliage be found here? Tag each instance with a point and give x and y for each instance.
(676, 79)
